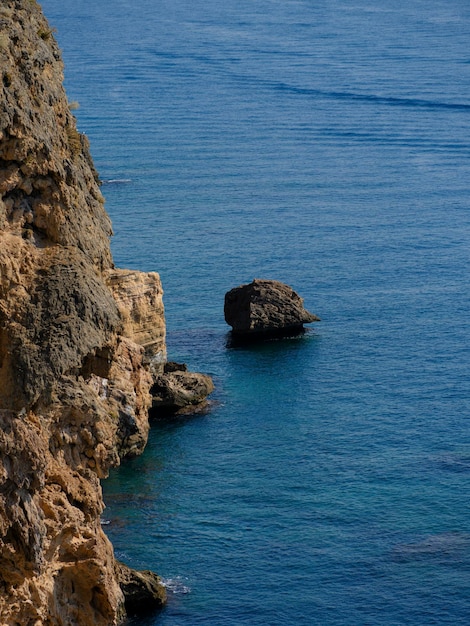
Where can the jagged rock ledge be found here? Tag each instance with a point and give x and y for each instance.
(143, 591)
(81, 344)
(177, 392)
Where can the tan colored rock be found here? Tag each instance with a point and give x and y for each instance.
(57, 566)
(139, 297)
(40, 146)
(74, 361)
(128, 391)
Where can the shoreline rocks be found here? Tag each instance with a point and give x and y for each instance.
(80, 343)
(143, 591)
(265, 309)
(179, 392)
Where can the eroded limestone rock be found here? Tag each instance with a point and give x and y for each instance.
(139, 296)
(179, 392)
(74, 359)
(49, 191)
(265, 308)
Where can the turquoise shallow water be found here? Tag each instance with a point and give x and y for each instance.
(324, 144)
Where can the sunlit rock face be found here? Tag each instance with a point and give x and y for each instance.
(78, 341)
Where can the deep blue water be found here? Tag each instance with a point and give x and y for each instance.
(324, 144)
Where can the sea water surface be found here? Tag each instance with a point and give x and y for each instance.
(324, 144)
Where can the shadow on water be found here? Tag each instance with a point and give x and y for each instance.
(144, 619)
(283, 359)
(162, 419)
(271, 341)
(235, 340)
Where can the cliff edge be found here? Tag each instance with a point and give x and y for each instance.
(79, 340)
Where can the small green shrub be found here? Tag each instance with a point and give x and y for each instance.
(75, 141)
(46, 34)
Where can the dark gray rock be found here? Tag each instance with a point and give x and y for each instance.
(143, 590)
(178, 391)
(265, 308)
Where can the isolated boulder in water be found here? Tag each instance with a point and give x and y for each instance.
(265, 308)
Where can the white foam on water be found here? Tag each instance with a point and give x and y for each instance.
(176, 585)
(116, 181)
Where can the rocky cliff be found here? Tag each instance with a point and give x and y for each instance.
(79, 341)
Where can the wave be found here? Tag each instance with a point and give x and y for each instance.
(221, 67)
(176, 585)
(372, 98)
(116, 181)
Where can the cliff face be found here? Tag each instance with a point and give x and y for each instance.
(78, 342)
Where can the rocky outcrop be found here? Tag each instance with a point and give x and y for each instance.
(48, 184)
(265, 308)
(78, 341)
(139, 299)
(143, 590)
(178, 392)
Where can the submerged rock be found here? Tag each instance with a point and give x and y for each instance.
(265, 308)
(178, 392)
(444, 547)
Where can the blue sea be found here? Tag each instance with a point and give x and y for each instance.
(325, 144)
